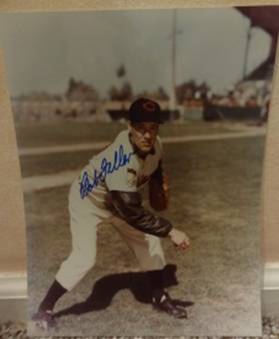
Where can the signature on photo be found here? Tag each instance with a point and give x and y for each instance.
(120, 159)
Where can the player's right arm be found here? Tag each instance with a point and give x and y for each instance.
(127, 202)
(129, 207)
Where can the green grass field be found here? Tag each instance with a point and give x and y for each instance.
(53, 163)
(215, 189)
(81, 132)
(68, 133)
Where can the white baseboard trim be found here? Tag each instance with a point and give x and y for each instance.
(271, 277)
(14, 286)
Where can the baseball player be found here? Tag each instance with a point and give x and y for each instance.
(107, 189)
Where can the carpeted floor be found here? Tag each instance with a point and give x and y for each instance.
(12, 330)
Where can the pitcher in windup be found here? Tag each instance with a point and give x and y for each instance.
(107, 189)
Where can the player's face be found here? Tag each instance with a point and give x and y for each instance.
(144, 135)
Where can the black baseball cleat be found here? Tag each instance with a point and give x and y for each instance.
(166, 304)
(182, 303)
(44, 319)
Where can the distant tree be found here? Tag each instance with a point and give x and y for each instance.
(127, 91)
(185, 91)
(121, 71)
(162, 94)
(78, 90)
(71, 85)
(122, 94)
(113, 93)
(203, 88)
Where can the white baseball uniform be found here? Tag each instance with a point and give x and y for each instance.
(116, 168)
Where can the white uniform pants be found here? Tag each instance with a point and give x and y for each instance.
(84, 219)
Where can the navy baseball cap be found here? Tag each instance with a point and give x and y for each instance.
(145, 110)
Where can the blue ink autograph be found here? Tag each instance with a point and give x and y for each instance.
(107, 167)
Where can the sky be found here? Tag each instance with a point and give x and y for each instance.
(43, 50)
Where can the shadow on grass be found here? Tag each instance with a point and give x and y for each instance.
(107, 287)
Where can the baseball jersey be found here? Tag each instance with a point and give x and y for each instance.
(118, 167)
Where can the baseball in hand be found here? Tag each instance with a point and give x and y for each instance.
(179, 238)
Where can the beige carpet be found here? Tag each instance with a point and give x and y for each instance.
(11, 330)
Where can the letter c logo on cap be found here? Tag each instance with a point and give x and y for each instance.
(149, 106)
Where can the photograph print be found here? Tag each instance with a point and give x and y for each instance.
(141, 140)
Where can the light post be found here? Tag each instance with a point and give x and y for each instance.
(175, 32)
(247, 46)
